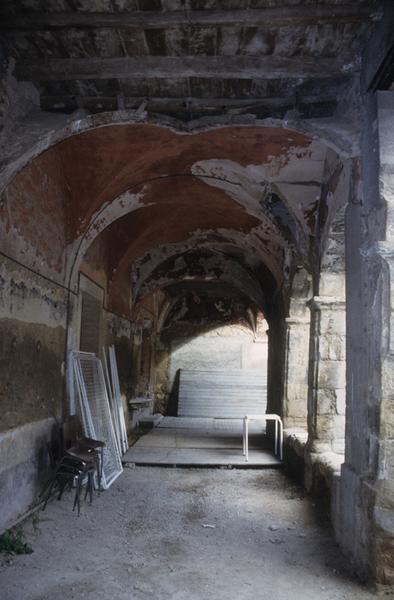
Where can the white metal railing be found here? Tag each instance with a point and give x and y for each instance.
(278, 432)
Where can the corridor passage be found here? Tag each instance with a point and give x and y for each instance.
(183, 534)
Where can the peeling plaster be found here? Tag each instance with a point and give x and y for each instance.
(22, 147)
(110, 212)
(142, 268)
(211, 267)
(28, 298)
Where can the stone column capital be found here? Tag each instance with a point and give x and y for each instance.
(332, 303)
(296, 321)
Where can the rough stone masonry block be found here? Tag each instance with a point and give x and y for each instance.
(384, 532)
(386, 467)
(331, 284)
(338, 446)
(298, 354)
(390, 216)
(324, 428)
(332, 322)
(298, 393)
(296, 401)
(387, 418)
(340, 401)
(339, 427)
(332, 347)
(298, 336)
(386, 181)
(332, 374)
(326, 401)
(297, 374)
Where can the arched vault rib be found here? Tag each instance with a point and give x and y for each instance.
(219, 239)
(254, 168)
(263, 227)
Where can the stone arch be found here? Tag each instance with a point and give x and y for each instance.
(92, 205)
(133, 200)
(252, 174)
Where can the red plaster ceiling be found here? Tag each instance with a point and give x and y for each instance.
(101, 164)
(179, 207)
(98, 166)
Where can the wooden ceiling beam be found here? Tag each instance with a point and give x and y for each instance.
(159, 67)
(266, 17)
(186, 104)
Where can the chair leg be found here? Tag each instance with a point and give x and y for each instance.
(91, 484)
(48, 484)
(77, 498)
(79, 484)
(101, 465)
(246, 440)
(48, 495)
(62, 488)
(87, 487)
(99, 459)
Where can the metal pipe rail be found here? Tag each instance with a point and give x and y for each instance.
(266, 417)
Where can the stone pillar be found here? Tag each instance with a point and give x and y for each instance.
(295, 405)
(364, 524)
(327, 375)
(383, 514)
(383, 488)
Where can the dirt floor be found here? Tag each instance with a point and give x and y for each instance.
(183, 534)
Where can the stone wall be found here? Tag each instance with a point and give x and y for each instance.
(33, 314)
(36, 312)
(227, 347)
(24, 468)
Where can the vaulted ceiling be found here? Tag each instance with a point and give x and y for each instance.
(154, 202)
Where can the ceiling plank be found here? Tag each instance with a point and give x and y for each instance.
(218, 67)
(268, 17)
(188, 104)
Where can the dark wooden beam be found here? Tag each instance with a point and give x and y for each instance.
(157, 104)
(159, 67)
(269, 17)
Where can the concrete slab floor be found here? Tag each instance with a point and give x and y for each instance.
(180, 534)
(198, 442)
(200, 457)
